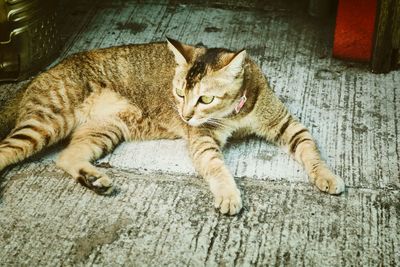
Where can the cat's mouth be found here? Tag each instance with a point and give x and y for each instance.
(195, 122)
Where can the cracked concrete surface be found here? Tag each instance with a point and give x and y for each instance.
(162, 215)
(159, 219)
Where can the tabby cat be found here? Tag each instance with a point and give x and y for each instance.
(102, 97)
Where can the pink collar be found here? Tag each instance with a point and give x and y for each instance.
(242, 100)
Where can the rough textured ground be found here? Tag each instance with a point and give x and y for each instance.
(162, 213)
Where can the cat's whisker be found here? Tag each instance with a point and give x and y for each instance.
(214, 122)
(218, 123)
(172, 104)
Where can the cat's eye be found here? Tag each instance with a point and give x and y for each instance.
(179, 92)
(206, 99)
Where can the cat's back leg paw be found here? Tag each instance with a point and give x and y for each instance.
(96, 181)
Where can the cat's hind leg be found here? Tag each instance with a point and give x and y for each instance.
(36, 129)
(90, 141)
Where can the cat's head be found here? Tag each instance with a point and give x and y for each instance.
(208, 82)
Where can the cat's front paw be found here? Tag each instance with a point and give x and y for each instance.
(95, 180)
(330, 183)
(227, 199)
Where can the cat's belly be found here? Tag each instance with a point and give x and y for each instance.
(140, 122)
(143, 126)
(149, 129)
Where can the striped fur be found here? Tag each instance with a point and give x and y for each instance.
(100, 98)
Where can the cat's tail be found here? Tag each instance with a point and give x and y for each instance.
(8, 113)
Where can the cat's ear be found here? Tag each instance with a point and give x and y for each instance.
(236, 63)
(182, 52)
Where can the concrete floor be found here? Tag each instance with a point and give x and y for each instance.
(162, 213)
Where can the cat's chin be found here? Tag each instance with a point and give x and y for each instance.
(196, 122)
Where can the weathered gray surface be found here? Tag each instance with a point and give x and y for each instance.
(166, 220)
(162, 214)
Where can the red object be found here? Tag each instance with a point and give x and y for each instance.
(354, 32)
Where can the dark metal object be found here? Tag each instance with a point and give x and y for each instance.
(28, 37)
(320, 8)
(385, 55)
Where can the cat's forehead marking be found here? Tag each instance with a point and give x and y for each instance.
(209, 60)
(195, 74)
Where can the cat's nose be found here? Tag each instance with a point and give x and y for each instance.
(187, 117)
(187, 114)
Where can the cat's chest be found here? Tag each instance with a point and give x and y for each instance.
(235, 128)
(158, 122)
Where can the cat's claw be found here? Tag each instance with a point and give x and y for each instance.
(98, 182)
(330, 183)
(228, 202)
